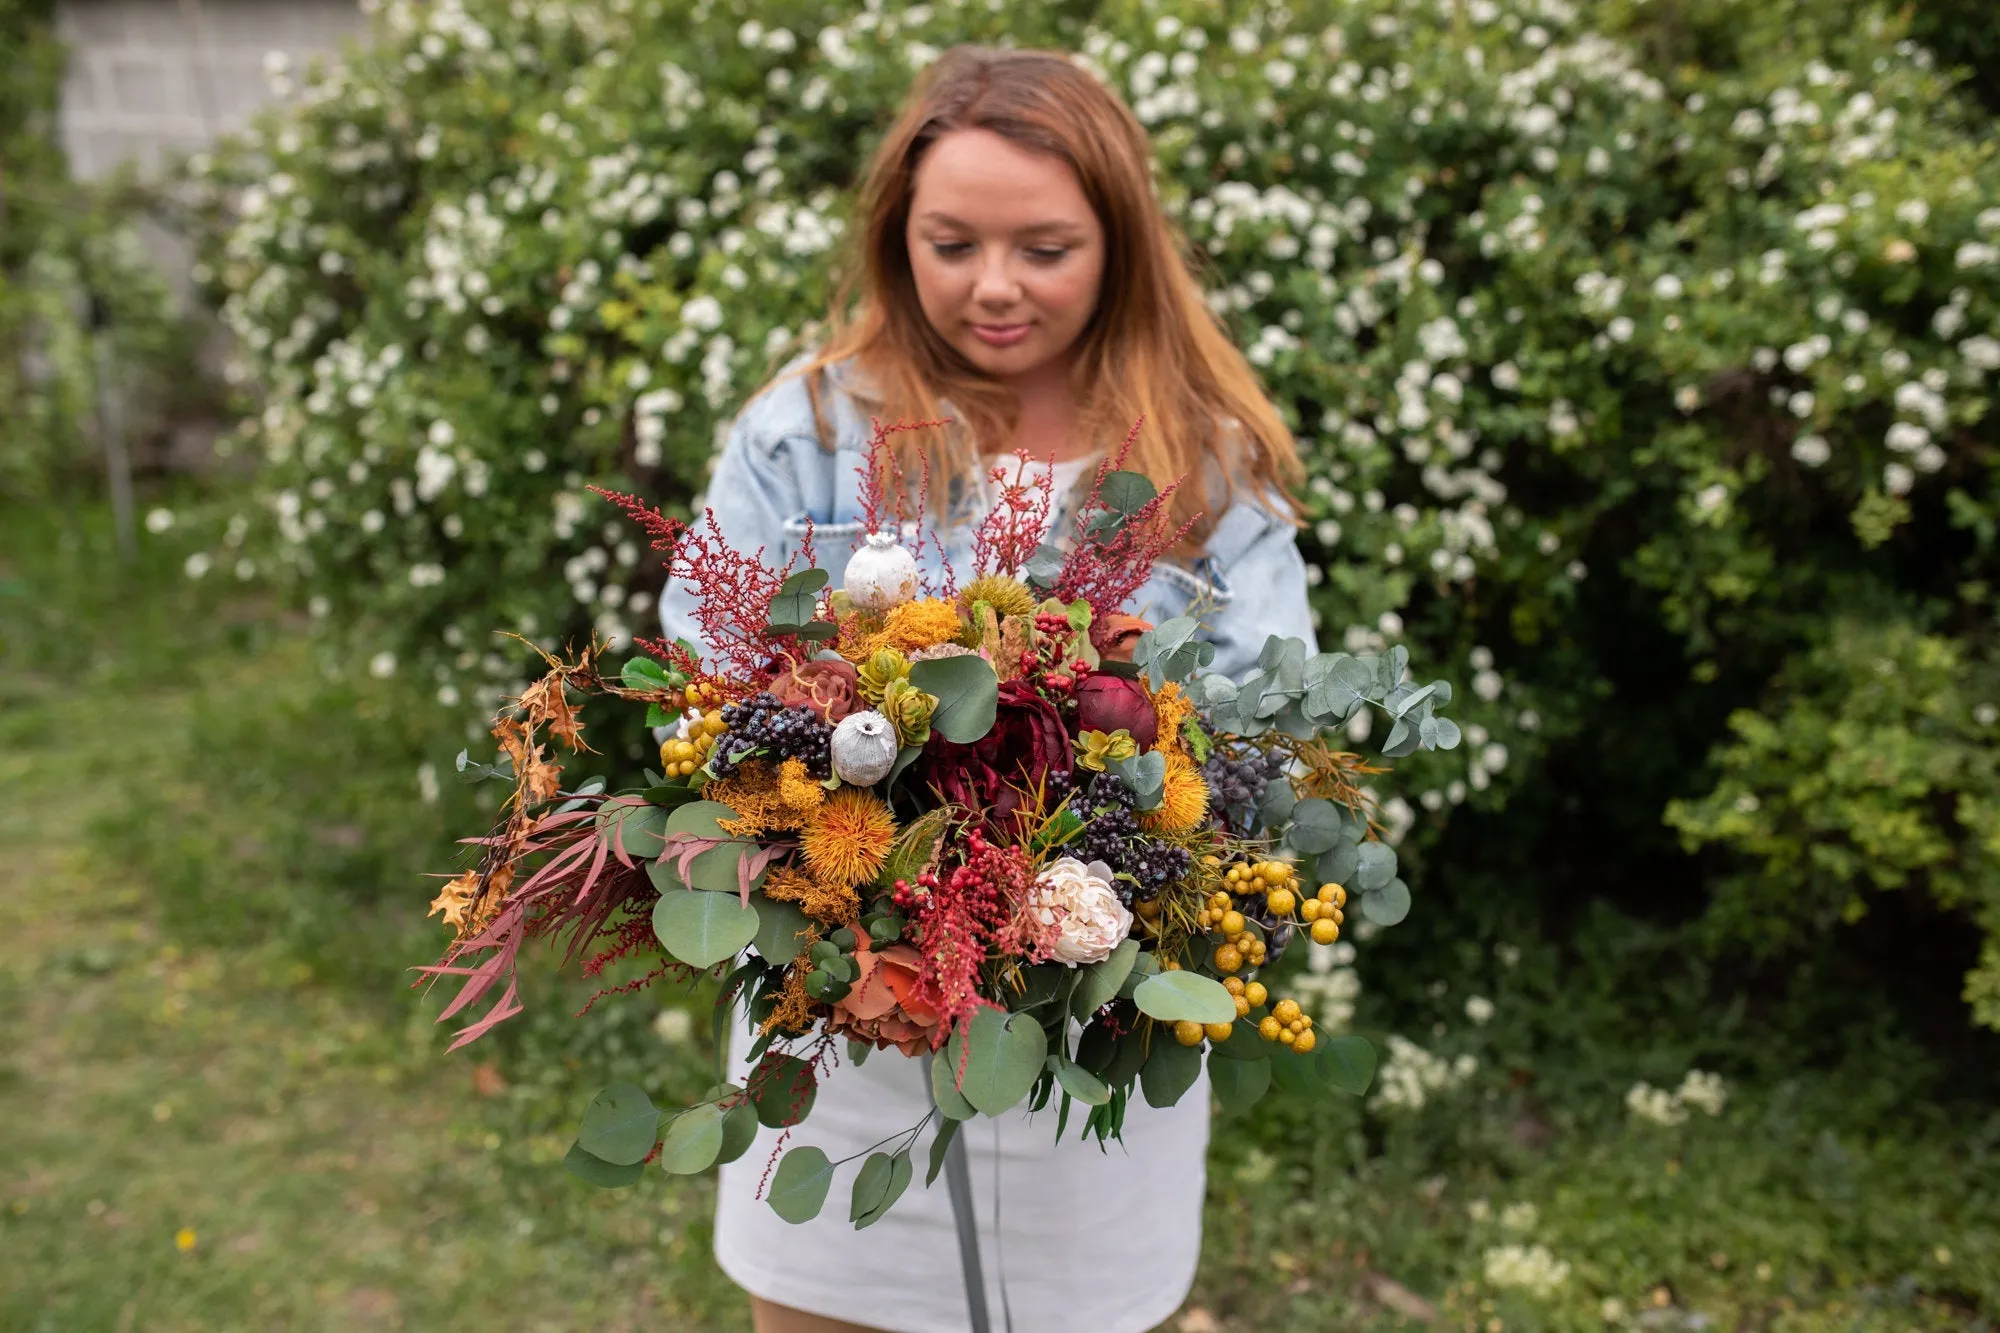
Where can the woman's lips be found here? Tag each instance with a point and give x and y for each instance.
(1000, 335)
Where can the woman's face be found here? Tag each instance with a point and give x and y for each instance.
(1008, 255)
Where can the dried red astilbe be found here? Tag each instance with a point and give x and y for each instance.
(888, 500)
(1014, 527)
(958, 918)
(733, 589)
(1107, 573)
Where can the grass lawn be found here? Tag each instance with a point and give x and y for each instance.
(222, 1108)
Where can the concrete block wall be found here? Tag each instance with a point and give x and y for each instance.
(151, 79)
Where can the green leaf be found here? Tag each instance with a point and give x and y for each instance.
(1238, 1084)
(1338, 866)
(1242, 1044)
(1081, 1084)
(643, 673)
(1100, 983)
(641, 827)
(967, 691)
(1170, 1070)
(783, 1089)
(1004, 1057)
(1375, 867)
(739, 1131)
(598, 1172)
(1172, 997)
(693, 1140)
(780, 929)
(1169, 651)
(620, 1125)
(1144, 775)
(881, 1181)
(947, 1131)
(702, 929)
(915, 846)
(1348, 1063)
(1388, 905)
(1145, 965)
(1316, 825)
(799, 1186)
(950, 1101)
(1126, 492)
(796, 600)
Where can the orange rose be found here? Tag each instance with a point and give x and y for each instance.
(881, 1008)
(1116, 635)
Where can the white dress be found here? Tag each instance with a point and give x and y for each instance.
(1071, 1235)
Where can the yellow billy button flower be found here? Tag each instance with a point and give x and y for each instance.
(1095, 749)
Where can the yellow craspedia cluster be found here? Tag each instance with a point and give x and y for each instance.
(1241, 946)
(681, 756)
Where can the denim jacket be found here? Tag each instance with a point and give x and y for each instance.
(773, 475)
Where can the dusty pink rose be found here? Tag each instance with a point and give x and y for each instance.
(828, 687)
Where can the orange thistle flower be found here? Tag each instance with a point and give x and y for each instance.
(1184, 801)
(849, 838)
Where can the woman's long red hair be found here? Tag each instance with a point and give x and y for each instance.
(1153, 348)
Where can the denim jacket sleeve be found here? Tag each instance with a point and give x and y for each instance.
(1256, 584)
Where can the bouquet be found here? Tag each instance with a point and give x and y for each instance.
(998, 824)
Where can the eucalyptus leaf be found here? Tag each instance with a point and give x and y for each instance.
(1316, 826)
(796, 600)
(799, 1186)
(1126, 492)
(1003, 1059)
(1238, 1084)
(702, 929)
(967, 691)
(781, 928)
(1347, 1063)
(620, 1125)
(1098, 984)
(1388, 905)
(1081, 1084)
(1376, 866)
(739, 1131)
(693, 1140)
(892, 1179)
(951, 1103)
(1173, 997)
(639, 827)
(782, 1089)
(1338, 866)
(947, 1130)
(1169, 1071)
(598, 1172)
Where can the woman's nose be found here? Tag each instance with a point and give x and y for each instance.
(996, 285)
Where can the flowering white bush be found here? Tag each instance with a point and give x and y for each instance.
(1702, 1091)
(1596, 362)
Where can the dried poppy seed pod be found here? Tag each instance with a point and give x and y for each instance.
(881, 575)
(864, 748)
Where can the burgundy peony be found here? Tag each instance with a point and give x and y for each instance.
(1027, 743)
(830, 688)
(1107, 703)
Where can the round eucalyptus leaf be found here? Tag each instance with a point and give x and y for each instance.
(1172, 997)
(693, 1140)
(1388, 905)
(799, 1186)
(620, 1126)
(702, 929)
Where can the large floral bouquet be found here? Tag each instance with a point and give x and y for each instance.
(1000, 824)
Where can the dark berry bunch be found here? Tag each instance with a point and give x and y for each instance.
(1237, 783)
(1111, 834)
(762, 722)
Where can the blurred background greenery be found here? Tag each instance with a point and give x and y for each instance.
(1640, 353)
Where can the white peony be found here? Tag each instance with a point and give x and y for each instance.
(1080, 896)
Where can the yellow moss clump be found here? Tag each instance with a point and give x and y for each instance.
(1171, 707)
(828, 904)
(1184, 801)
(794, 1012)
(767, 799)
(915, 626)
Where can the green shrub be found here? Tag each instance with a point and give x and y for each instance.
(1627, 346)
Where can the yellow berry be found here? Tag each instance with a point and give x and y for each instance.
(1256, 994)
(1332, 893)
(1187, 1032)
(1281, 902)
(1171, 965)
(1218, 901)
(1304, 1042)
(1268, 1028)
(1287, 1036)
(1242, 1005)
(1297, 1025)
(1218, 1031)
(1325, 930)
(1228, 958)
(1285, 1010)
(1232, 923)
(1309, 910)
(1148, 910)
(1234, 985)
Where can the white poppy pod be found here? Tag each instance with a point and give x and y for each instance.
(880, 575)
(864, 748)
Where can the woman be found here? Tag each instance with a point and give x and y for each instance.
(1015, 274)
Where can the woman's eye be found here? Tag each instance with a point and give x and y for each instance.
(950, 249)
(1048, 254)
